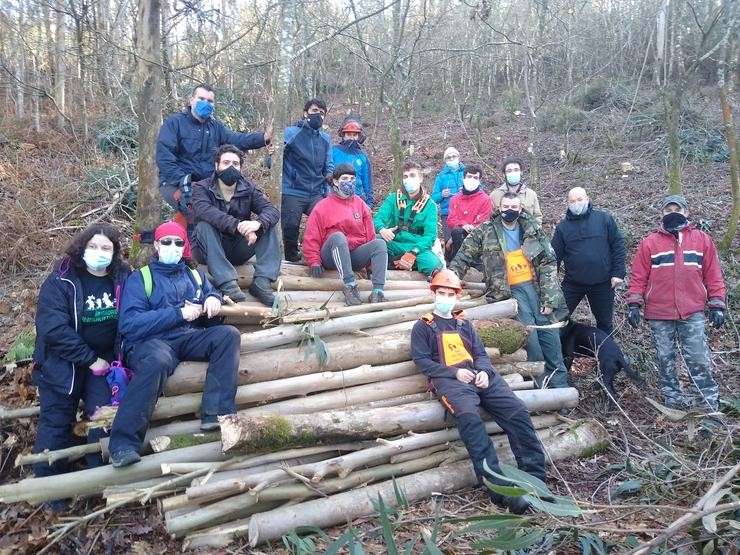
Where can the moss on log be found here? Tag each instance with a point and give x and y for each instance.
(506, 335)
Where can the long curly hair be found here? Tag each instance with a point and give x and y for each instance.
(76, 248)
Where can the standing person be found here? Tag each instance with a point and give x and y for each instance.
(448, 183)
(446, 349)
(225, 233)
(591, 247)
(519, 263)
(307, 167)
(164, 308)
(407, 222)
(340, 236)
(468, 209)
(76, 323)
(676, 274)
(187, 142)
(513, 168)
(349, 151)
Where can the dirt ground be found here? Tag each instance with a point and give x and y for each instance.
(46, 191)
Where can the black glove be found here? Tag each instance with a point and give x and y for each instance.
(317, 271)
(634, 315)
(717, 317)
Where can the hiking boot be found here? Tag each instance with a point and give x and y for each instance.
(262, 289)
(124, 458)
(376, 297)
(516, 505)
(209, 424)
(231, 289)
(352, 295)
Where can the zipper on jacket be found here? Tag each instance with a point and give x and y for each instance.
(74, 299)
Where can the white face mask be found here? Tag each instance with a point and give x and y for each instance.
(444, 305)
(170, 254)
(97, 260)
(411, 184)
(471, 184)
(578, 208)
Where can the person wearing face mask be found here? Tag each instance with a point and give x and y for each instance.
(407, 222)
(186, 143)
(349, 151)
(519, 263)
(76, 324)
(514, 182)
(447, 184)
(307, 168)
(468, 209)
(449, 352)
(225, 233)
(169, 314)
(340, 236)
(590, 246)
(676, 274)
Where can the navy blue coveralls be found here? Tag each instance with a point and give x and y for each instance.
(440, 347)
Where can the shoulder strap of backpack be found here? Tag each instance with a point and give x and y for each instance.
(146, 274)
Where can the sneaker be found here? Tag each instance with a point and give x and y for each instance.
(124, 458)
(376, 297)
(262, 289)
(231, 289)
(209, 424)
(352, 295)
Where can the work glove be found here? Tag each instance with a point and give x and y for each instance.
(317, 271)
(406, 262)
(634, 315)
(717, 317)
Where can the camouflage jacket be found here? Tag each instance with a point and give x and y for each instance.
(487, 243)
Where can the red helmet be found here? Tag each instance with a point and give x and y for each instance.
(351, 126)
(446, 278)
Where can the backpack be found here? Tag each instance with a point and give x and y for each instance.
(146, 274)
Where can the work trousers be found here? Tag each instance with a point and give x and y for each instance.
(600, 298)
(335, 255)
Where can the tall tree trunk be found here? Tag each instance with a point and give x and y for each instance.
(60, 71)
(149, 78)
(672, 109)
(20, 68)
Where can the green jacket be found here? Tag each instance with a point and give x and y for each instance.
(422, 230)
(487, 243)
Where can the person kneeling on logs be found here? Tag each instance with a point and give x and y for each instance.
(340, 236)
(447, 349)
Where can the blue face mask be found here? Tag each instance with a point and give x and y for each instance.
(513, 178)
(203, 109)
(97, 260)
(411, 184)
(453, 165)
(444, 305)
(170, 254)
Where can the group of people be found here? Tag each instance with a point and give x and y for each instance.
(168, 311)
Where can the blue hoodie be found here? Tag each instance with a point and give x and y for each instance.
(343, 154)
(447, 179)
(306, 161)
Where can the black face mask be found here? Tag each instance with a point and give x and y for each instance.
(229, 176)
(673, 222)
(351, 145)
(509, 215)
(315, 121)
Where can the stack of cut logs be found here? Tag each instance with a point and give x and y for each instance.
(331, 408)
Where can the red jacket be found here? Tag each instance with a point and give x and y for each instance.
(673, 279)
(350, 216)
(469, 209)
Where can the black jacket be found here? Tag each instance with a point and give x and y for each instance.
(248, 198)
(59, 345)
(590, 246)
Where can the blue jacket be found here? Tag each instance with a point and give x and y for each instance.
(306, 161)
(591, 247)
(342, 154)
(186, 146)
(447, 179)
(159, 317)
(59, 346)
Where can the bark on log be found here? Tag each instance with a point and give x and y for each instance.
(70, 453)
(25, 412)
(245, 272)
(305, 316)
(238, 430)
(301, 283)
(339, 508)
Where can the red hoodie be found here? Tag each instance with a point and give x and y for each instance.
(350, 216)
(471, 209)
(673, 279)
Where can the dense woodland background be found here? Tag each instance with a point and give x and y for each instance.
(629, 98)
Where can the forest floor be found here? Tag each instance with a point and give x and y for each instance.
(52, 185)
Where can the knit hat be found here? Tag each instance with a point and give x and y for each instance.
(451, 151)
(173, 228)
(674, 199)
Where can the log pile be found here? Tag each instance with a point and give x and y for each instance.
(329, 402)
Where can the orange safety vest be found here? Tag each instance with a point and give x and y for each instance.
(452, 348)
(518, 268)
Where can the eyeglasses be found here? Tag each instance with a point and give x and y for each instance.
(168, 242)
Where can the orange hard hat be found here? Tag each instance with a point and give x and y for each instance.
(446, 278)
(351, 126)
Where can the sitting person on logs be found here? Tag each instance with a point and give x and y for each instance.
(340, 236)
(447, 350)
(167, 316)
